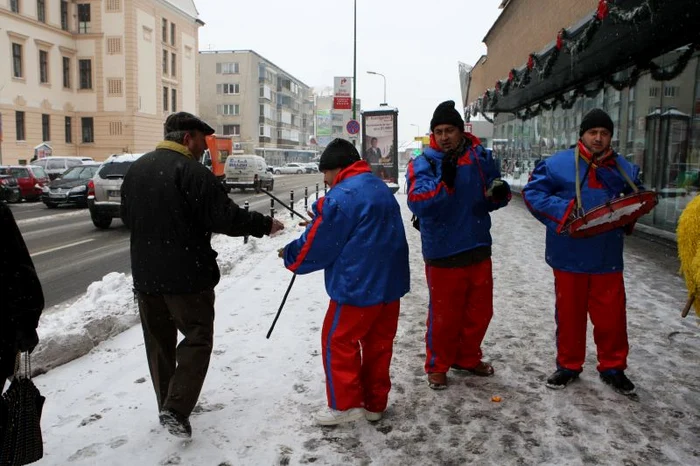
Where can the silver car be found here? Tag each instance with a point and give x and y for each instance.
(104, 191)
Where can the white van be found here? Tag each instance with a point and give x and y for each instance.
(247, 171)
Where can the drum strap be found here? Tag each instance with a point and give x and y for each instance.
(579, 204)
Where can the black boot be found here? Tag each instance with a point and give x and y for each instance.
(618, 381)
(561, 378)
(177, 424)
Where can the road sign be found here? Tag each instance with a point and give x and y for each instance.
(353, 127)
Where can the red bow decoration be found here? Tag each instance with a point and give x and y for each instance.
(511, 75)
(498, 85)
(602, 10)
(530, 62)
(560, 39)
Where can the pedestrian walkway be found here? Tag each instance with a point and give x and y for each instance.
(257, 401)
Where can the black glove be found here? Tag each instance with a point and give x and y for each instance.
(498, 191)
(449, 171)
(27, 340)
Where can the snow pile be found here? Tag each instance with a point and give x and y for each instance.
(107, 309)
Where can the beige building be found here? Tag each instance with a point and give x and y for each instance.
(244, 95)
(94, 77)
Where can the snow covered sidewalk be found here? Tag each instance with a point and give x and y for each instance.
(256, 405)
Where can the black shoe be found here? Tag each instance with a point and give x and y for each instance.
(177, 425)
(618, 381)
(561, 378)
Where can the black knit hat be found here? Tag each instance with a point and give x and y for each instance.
(596, 118)
(183, 121)
(339, 153)
(445, 114)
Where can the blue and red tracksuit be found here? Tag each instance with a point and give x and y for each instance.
(357, 238)
(455, 233)
(587, 271)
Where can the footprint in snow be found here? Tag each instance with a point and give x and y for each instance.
(90, 419)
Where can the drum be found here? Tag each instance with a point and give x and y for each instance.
(613, 214)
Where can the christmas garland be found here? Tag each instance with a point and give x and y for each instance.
(543, 67)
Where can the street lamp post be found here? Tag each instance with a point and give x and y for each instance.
(417, 128)
(379, 74)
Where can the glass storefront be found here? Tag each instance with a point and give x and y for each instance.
(657, 126)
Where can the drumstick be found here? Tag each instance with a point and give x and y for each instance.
(686, 309)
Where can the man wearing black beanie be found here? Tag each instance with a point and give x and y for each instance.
(357, 238)
(587, 271)
(453, 185)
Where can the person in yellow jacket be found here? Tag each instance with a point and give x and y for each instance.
(688, 235)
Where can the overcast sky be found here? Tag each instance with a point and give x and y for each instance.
(416, 44)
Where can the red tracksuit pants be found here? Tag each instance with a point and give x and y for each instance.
(357, 344)
(460, 310)
(602, 296)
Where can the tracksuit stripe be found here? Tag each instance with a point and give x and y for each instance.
(429, 337)
(329, 372)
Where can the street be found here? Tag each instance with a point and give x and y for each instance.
(69, 252)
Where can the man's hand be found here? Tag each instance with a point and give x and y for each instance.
(449, 171)
(280, 253)
(303, 223)
(27, 341)
(276, 226)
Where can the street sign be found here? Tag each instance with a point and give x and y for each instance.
(468, 127)
(353, 127)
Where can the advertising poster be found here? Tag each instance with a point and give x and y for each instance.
(379, 143)
(342, 93)
(324, 127)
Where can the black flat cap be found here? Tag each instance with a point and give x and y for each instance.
(183, 121)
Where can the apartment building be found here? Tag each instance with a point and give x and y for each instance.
(93, 77)
(258, 104)
(332, 123)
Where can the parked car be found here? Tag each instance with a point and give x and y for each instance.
(30, 179)
(55, 166)
(247, 171)
(9, 188)
(71, 187)
(297, 168)
(311, 167)
(104, 190)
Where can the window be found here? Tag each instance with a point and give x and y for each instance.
(114, 45)
(114, 86)
(85, 67)
(653, 92)
(232, 130)
(66, 72)
(68, 126)
(64, 15)
(43, 66)
(165, 99)
(229, 109)
(165, 62)
(14, 6)
(113, 6)
(45, 127)
(88, 129)
(115, 128)
(165, 30)
(17, 60)
(172, 33)
(83, 18)
(41, 10)
(229, 88)
(671, 91)
(19, 125)
(226, 68)
(173, 93)
(173, 65)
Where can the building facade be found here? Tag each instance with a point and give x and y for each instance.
(332, 123)
(265, 109)
(94, 77)
(657, 122)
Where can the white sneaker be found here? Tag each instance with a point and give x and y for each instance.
(332, 417)
(371, 416)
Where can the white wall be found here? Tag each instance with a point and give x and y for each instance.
(114, 66)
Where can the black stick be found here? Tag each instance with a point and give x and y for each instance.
(279, 311)
(285, 205)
